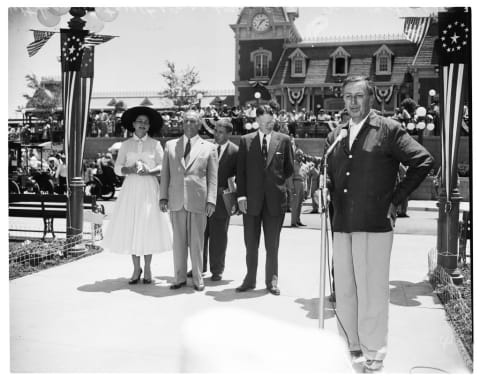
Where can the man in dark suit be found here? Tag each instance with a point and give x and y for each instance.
(216, 232)
(362, 172)
(265, 161)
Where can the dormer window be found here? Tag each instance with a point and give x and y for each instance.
(383, 57)
(298, 60)
(261, 62)
(340, 58)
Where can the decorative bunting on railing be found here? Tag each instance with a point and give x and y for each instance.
(258, 83)
(295, 95)
(383, 94)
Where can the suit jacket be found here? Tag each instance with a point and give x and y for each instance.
(362, 180)
(261, 183)
(189, 185)
(227, 167)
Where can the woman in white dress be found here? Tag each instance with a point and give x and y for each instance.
(137, 226)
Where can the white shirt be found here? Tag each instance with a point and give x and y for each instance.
(269, 137)
(223, 147)
(139, 142)
(355, 129)
(192, 141)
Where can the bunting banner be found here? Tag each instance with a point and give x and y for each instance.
(77, 79)
(257, 83)
(454, 58)
(415, 28)
(383, 94)
(295, 95)
(40, 38)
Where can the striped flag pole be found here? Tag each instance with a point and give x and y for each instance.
(77, 78)
(454, 59)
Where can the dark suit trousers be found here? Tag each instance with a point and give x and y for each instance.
(272, 226)
(215, 246)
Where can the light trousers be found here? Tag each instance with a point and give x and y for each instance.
(188, 232)
(362, 266)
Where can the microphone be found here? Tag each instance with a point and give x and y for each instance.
(343, 133)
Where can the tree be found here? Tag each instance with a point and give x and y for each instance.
(46, 96)
(180, 85)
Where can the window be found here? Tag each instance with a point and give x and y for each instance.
(298, 61)
(261, 65)
(384, 60)
(340, 61)
(261, 62)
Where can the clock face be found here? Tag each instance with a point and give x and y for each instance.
(261, 22)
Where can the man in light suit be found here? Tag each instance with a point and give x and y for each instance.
(264, 162)
(188, 188)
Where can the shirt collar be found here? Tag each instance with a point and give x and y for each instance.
(192, 140)
(353, 124)
(137, 139)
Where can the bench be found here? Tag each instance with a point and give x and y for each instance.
(47, 207)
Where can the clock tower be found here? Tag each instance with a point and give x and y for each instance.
(260, 35)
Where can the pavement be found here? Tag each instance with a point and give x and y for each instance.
(84, 317)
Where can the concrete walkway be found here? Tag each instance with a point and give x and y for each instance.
(84, 317)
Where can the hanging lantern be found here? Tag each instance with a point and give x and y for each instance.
(248, 126)
(430, 126)
(421, 125)
(255, 125)
(411, 126)
(46, 18)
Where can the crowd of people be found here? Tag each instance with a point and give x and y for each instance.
(203, 183)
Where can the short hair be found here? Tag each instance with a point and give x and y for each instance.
(271, 108)
(359, 78)
(193, 114)
(225, 123)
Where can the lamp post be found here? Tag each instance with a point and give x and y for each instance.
(77, 80)
(257, 96)
(199, 99)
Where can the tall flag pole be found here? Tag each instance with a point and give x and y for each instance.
(77, 78)
(454, 60)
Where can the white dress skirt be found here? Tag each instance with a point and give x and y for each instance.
(137, 226)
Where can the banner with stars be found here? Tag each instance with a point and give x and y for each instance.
(454, 28)
(77, 79)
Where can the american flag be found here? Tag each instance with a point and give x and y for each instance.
(454, 58)
(97, 39)
(77, 80)
(415, 28)
(40, 38)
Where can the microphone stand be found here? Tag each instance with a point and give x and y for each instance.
(323, 242)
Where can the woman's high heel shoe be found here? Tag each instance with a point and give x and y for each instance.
(135, 281)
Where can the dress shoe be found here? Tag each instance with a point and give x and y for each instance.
(355, 355)
(244, 287)
(294, 226)
(332, 298)
(216, 277)
(189, 274)
(400, 215)
(274, 290)
(178, 285)
(301, 224)
(314, 212)
(135, 281)
(147, 281)
(199, 288)
(373, 366)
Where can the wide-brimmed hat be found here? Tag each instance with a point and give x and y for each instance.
(130, 115)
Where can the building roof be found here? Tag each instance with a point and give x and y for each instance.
(362, 62)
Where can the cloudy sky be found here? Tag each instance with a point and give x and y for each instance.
(187, 35)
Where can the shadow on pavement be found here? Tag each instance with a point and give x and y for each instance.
(311, 306)
(406, 293)
(119, 284)
(230, 294)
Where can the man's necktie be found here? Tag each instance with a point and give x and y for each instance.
(219, 149)
(187, 149)
(264, 148)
